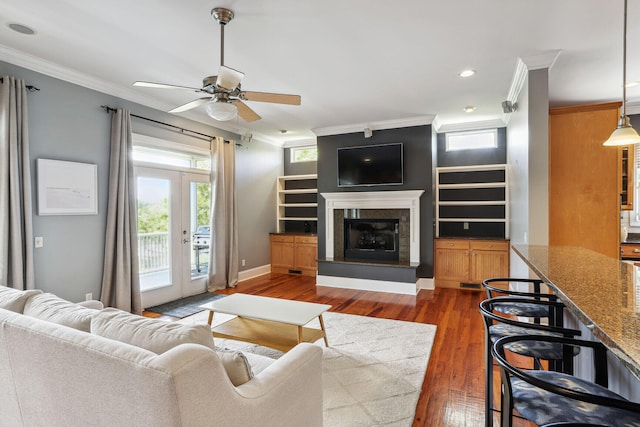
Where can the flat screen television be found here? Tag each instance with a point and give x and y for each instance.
(370, 165)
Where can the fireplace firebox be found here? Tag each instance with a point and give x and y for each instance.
(371, 239)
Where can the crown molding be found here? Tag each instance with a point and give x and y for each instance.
(300, 143)
(380, 125)
(51, 69)
(479, 125)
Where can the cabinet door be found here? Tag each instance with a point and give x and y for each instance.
(487, 264)
(306, 256)
(452, 264)
(282, 254)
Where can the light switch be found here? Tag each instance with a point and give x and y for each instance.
(39, 242)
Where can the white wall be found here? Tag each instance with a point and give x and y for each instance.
(528, 159)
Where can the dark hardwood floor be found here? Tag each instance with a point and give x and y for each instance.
(453, 388)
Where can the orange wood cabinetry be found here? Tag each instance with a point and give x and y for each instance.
(294, 254)
(584, 185)
(463, 263)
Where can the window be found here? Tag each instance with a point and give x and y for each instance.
(170, 154)
(304, 154)
(472, 140)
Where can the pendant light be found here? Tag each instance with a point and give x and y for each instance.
(624, 133)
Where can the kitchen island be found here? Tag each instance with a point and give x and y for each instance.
(602, 292)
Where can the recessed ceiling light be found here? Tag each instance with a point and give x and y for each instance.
(467, 73)
(22, 29)
(469, 109)
(632, 84)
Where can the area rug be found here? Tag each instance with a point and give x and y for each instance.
(372, 371)
(185, 306)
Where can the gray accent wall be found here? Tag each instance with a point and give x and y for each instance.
(67, 123)
(418, 175)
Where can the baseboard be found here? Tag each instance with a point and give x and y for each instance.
(254, 272)
(426, 283)
(367, 285)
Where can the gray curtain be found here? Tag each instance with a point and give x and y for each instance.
(223, 255)
(120, 281)
(16, 230)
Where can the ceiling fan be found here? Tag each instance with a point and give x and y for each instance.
(225, 98)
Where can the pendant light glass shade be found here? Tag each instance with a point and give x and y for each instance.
(624, 133)
(221, 110)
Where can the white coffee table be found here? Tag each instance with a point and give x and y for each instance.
(271, 322)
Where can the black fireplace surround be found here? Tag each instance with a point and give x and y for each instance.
(371, 239)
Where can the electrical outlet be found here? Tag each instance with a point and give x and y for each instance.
(243, 262)
(88, 296)
(39, 242)
(466, 226)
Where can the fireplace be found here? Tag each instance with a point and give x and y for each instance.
(372, 239)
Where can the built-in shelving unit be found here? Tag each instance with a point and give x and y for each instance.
(297, 200)
(472, 201)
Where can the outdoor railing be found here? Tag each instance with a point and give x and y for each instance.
(153, 252)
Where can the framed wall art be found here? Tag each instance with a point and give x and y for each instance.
(67, 188)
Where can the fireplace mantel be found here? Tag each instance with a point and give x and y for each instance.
(406, 199)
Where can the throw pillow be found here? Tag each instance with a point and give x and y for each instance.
(154, 335)
(14, 299)
(54, 309)
(236, 364)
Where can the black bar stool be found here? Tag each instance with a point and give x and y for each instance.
(549, 398)
(524, 309)
(497, 325)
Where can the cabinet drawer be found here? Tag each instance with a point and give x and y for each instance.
(281, 238)
(630, 251)
(452, 244)
(306, 239)
(490, 245)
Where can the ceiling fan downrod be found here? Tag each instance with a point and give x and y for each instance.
(223, 16)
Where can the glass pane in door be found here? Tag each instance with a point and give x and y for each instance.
(199, 213)
(154, 250)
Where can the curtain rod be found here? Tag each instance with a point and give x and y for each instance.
(30, 88)
(197, 135)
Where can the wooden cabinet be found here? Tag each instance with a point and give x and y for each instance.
(462, 263)
(630, 251)
(584, 189)
(294, 254)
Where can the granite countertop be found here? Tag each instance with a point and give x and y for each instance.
(601, 291)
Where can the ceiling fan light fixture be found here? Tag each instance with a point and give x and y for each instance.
(221, 110)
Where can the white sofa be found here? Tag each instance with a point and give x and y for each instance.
(62, 364)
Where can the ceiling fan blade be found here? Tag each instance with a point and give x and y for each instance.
(190, 105)
(276, 98)
(165, 86)
(228, 78)
(245, 113)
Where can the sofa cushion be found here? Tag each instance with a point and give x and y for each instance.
(14, 299)
(154, 335)
(54, 309)
(236, 364)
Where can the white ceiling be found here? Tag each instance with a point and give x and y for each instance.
(354, 62)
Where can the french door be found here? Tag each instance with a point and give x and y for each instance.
(173, 233)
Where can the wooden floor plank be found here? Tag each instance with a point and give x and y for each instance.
(453, 389)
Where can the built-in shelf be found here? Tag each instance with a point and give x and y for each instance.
(477, 195)
(297, 200)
